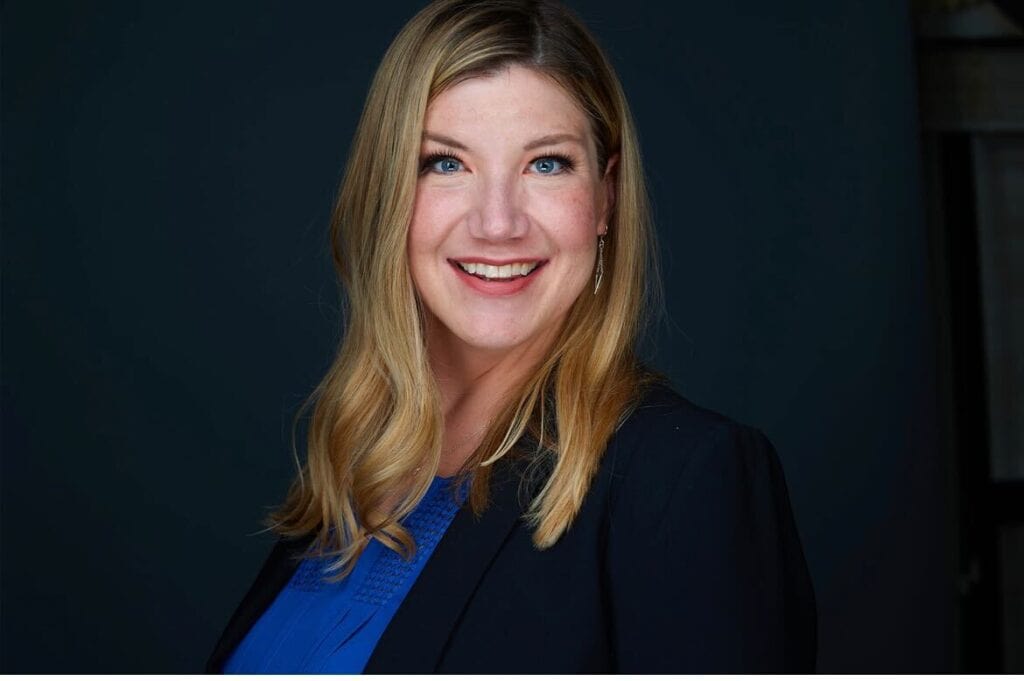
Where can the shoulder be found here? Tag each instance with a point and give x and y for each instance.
(663, 412)
(667, 442)
(666, 430)
(705, 567)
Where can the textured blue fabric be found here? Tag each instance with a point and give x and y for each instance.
(316, 626)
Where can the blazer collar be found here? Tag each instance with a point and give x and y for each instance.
(416, 639)
(417, 636)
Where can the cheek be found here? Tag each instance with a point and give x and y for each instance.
(421, 242)
(572, 219)
(431, 219)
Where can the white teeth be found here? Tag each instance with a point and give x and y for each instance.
(519, 269)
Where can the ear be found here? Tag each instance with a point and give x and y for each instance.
(610, 182)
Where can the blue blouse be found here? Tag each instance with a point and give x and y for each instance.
(316, 626)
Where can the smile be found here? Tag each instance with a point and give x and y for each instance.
(505, 272)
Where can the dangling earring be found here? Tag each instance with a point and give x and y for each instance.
(600, 263)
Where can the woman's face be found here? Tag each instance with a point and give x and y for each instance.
(509, 204)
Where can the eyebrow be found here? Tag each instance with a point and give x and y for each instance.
(447, 141)
(552, 139)
(539, 142)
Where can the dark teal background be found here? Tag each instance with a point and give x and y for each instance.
(168, 171)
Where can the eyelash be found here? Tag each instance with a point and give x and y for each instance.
(433, 158)
(567, 163)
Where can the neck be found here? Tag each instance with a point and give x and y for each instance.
(474, 383)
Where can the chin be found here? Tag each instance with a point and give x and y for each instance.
(493, 342)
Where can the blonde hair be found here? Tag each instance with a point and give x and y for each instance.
(376, 427)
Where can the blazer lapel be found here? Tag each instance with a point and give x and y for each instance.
(417, 636)
(277, 570)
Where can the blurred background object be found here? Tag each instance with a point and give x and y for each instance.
(971, 62)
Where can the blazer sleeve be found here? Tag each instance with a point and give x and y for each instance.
(705, 567)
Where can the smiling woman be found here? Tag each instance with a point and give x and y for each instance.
(509, 208)
(493, 482)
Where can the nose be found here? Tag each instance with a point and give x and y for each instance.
(499, 211)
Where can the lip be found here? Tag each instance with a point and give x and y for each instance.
(496, 288)
(493, 261)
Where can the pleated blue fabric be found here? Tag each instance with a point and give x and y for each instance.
(319, 627)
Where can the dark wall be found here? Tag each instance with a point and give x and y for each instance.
(168, 170)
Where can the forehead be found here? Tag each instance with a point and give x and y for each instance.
(512, 103)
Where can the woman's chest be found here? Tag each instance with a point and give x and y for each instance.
(536, 611)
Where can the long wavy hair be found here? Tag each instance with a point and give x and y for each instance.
(376, 424)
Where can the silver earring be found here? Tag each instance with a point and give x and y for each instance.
(600, 263)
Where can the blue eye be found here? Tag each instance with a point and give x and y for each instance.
(548, 165)
(443, 165)
(552, 165)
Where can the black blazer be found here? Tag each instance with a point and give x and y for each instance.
(684, 558)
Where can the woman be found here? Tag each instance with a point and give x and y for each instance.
(493, 483)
